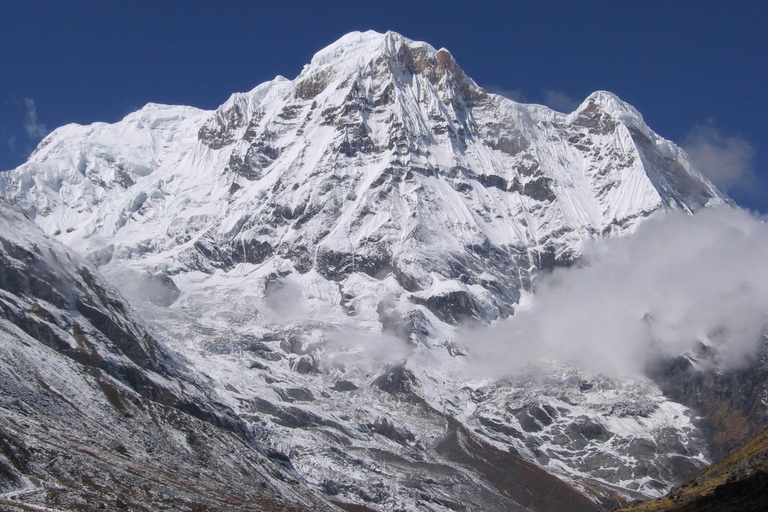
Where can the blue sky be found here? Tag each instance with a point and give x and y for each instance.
(697, 71)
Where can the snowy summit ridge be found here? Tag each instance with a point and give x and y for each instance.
(381, 157)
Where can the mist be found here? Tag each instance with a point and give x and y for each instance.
(140, 287)
(363, 351)
(680, 280)
(286, 302)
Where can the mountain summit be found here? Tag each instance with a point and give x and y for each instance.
(382, 158)
(313, 244)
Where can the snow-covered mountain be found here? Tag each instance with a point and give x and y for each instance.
(380, 161)
(313, 244)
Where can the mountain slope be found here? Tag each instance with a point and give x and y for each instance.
(313, 244)
(96, 412)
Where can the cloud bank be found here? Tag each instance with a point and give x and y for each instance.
(677, 281)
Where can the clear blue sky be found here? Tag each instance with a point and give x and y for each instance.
(697, 70)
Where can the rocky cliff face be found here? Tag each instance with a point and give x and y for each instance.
(313, 244)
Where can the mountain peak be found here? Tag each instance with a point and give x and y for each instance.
(379, 138)
(361, 47)
(361, 53)
(614, 106)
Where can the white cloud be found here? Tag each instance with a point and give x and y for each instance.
(35, 129)
(725, 160)
(560, 101)
(678, 280)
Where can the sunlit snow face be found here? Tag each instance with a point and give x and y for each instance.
(679, 281)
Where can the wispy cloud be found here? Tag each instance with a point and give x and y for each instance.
(35, 129)
(725, 160)
(560, 101)
(512, 94)
(12, 144)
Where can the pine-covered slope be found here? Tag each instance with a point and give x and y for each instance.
(312, 244)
